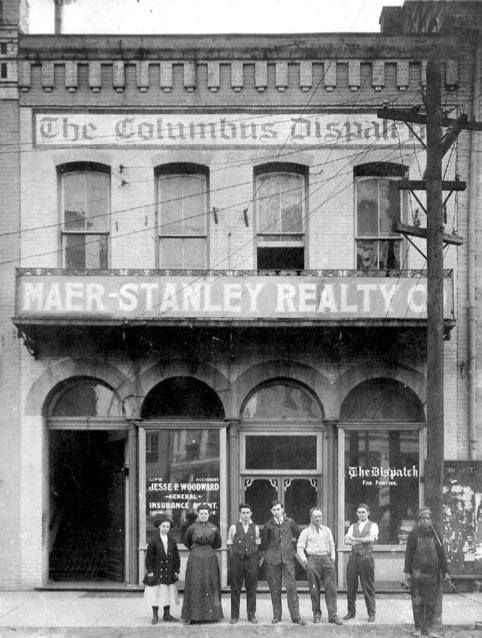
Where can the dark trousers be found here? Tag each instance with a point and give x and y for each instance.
(243, 569)
(275, 574)
(423, 617)
(361, 566)
(321, 571)
(424, 593)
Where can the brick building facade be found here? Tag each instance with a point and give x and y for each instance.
(211, 303)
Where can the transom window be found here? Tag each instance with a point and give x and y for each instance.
(85, 397)
(183, 206)
(280, 203)
(85, 195)
(281, 400)
(378, 207)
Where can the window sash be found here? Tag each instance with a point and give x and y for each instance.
(85, 201)
(280, 199)
(378, 254)
(182, 204)
(85, 250)
(378, 206)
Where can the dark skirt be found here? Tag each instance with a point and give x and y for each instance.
(202, 588)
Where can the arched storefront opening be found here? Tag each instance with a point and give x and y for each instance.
(87, 451)
(182, 441)
(381, 439)
(281, 452)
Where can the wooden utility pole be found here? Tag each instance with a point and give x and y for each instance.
(435, 296)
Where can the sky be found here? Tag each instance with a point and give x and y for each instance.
(210, 16)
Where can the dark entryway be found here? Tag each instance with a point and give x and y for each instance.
(87, 505)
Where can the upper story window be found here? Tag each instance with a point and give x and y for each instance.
(183, 206)
(85, 208)
(280, 193)
(378, 206)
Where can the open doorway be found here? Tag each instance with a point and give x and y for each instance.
(87, 505)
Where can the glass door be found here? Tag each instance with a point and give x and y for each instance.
(285, 467)
(298, 495)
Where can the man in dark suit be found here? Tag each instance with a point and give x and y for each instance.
(278, 547)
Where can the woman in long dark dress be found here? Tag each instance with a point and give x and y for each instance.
(202, 588)
(425, 570)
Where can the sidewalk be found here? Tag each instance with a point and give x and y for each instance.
(44, 610)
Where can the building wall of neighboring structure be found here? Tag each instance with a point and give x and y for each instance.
(10, 453)
(476, 207)
(460, 19)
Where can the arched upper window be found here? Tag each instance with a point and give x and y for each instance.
(85, 397)
(182, 397)
(183, 214)
(281, 400)
(280, 194)
(378, 206)
(85, 209)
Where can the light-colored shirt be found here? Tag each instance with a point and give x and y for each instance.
(232, 532)
(373, 535)
(313, 541)
(164, 540)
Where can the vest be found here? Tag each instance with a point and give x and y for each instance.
(245, 544)
(362, 548)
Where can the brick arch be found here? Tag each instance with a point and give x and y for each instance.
(260, 373)
(41, 390)
(80, 156)
(183, 156)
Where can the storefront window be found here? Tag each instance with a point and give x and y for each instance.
(182, 471)
(281, 452)
(382, 470)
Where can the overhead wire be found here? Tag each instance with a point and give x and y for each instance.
(250, 241)
(311, 97)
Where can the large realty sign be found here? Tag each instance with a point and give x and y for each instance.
(225, 297)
